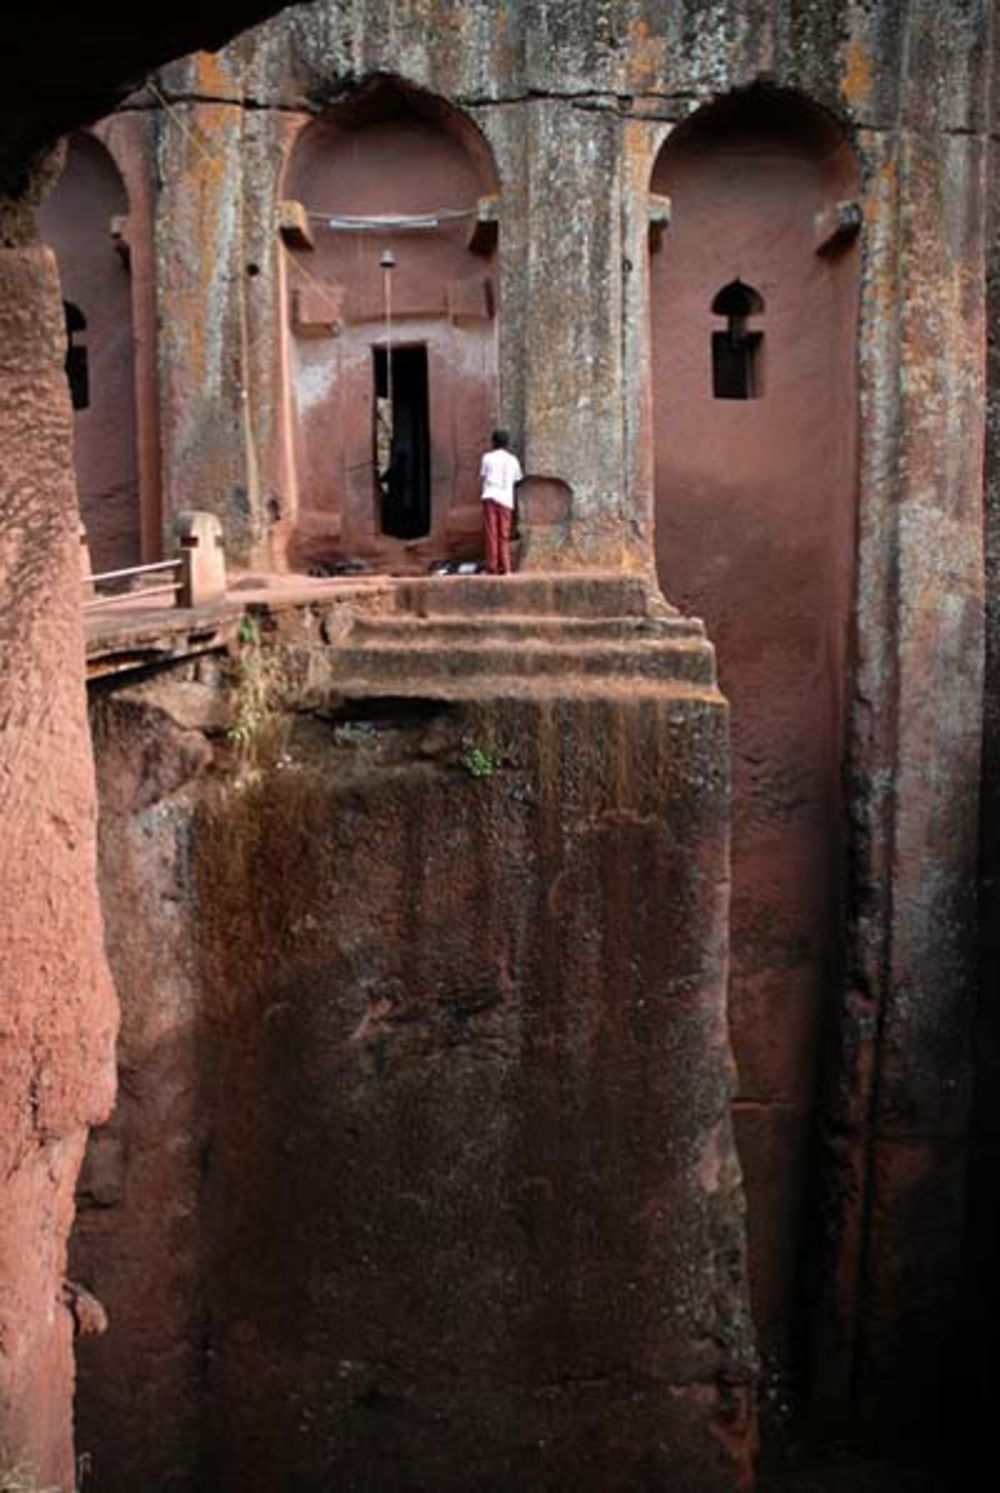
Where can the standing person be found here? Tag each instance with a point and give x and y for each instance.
(500, 472)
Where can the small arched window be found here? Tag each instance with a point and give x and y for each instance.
(737, 361)
(77, 367)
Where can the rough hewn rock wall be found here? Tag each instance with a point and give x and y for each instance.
(575, 100)
(913, 81)
(981, 1316)
(423, 1168)
(57, 1016)
(904, 1066)
(142, 1182)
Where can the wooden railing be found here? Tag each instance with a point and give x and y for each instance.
(171, 587)
(196, 575)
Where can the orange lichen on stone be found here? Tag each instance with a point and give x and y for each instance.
(856, 82)
(646, 55)
(212, 74)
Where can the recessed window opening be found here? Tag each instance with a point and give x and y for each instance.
(402, 446)
(77, 365)
(737, 353)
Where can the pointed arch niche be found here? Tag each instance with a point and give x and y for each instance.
(754, 302)
(82, 221)
(391, 349)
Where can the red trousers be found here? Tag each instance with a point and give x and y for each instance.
(496, 528)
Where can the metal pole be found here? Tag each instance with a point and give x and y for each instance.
(388, 262)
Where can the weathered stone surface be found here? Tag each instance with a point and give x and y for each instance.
(914, 755)
(575, 102)
(431, 1048)
(981, 1294)
(207, 435)
(142, 1182)
(567, 96)
(57, 1019)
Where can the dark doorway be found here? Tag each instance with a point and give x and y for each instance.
(402, 441)
(77, 365)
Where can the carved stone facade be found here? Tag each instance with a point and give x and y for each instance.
(722, 269)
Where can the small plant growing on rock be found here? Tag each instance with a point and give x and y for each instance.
(479, 761)
(256, 725)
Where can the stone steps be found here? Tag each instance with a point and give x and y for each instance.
(582, 631)
(572, 687)
(582, 594)
(687, 659)
(454, 630)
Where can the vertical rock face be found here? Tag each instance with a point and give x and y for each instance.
(982, 1289)
(57, 1017)
(440, 1089)
(755, 318)
(484, 1227)
(903, 1112)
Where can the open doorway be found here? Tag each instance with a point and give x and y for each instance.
(402, 441)
(77, 362)
(393, 178)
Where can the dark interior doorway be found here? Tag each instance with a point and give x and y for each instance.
(402, 441)
(77, 364)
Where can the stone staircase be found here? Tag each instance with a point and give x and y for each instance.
(448, 636)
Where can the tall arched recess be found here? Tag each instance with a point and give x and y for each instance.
(389, 214)
(754, 298)
(82, 220)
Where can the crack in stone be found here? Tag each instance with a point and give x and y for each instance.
(676, 107)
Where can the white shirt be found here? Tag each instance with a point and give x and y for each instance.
(499, 471)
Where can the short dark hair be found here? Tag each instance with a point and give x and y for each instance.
(501, 438)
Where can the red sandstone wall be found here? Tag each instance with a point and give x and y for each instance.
(138, 1238)
(755, 532)
(76, 221)
(57, 1015)
(387, 154)
(912, 81)
(57, 1020)
(422, 1168)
